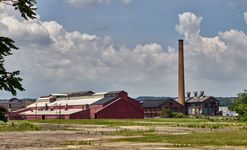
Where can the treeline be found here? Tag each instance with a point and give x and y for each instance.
(226, 101)
(23, 99)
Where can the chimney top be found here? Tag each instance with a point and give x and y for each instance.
(201, 93)
(188, 94)
(195, 93)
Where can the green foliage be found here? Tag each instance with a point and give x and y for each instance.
(127, 132)
(109, 122)
(225, 101)
(240, 106)
(26, 7)
(9, 81)
(2, 115)
(168, 113)
(15, 126)
(219, 138)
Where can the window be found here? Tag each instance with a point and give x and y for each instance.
(66, 107)
(46, 106)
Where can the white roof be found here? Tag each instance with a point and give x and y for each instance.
(37, 104)
(70, 102)
(100, 93)
(59, 94)
(53, 112)
(82, 101)
(43, 99)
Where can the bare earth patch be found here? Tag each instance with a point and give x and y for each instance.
(54, 137)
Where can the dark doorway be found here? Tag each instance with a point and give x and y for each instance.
(43, 117)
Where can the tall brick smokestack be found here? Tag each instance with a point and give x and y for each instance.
(181, 91)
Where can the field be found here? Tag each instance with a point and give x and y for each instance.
(159, 133)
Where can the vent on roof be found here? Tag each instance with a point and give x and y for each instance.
(195, 94)
(201, 94)
(188, 94)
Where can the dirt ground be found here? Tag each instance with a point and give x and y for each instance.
(52, 137)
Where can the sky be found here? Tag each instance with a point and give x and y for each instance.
(131, 45)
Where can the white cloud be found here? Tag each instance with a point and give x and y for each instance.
(214, 60)
(189, 25)
(245, 17)
(51, 59)
(70, 61)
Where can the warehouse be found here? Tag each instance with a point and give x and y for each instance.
(154, 106)
(201, 104)
(83, 105)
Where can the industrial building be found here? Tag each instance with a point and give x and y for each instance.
(14, 104)
(197, 105)
(154, 106)
(226, 112)
(201, 104)
(82, 105)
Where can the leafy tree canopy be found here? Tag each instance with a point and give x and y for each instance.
(240, 106)
(2, 114)
(9, 81)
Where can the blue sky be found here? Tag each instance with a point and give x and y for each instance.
(144, 21)
(103, 45)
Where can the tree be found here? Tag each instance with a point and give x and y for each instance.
(240, 106)
(2, 114)
(9, 81)
(168, 113)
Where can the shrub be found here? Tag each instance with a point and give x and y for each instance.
(240, 106)
(2, 115)
(168, 113)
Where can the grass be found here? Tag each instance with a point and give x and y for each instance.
(229, 138)
(214, 123)
(121, 122)
(76, 142)
(110, 122)
(126, 132)
(175, 120)
(233, 133)
(17, 126)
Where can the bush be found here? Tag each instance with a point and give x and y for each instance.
(16, 126)
(2, 115)
(240, 106)
(168, 113)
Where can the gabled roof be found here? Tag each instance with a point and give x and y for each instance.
(198, 99)
(14, 100)
(53, 112)
(114, 92)
(104, 100)
(152, 103)
(81, 93)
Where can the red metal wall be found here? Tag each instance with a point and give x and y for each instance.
(81, 115)
(120, 109)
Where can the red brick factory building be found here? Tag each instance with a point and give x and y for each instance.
(82, 105)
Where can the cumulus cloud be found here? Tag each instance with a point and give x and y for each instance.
(245, 17)
(216, 59)
(83, 3)
(52, 59)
